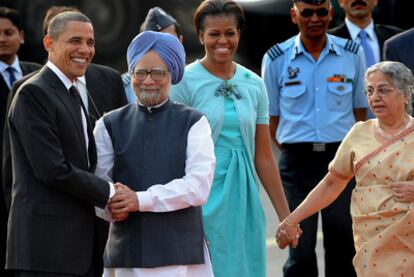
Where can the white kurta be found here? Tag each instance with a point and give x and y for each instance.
(191, 190)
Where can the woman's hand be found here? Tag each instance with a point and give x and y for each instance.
(288, 234)
(403, 191)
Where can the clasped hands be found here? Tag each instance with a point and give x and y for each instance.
(288, 234)
(123, 202)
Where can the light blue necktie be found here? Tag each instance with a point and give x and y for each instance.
(12, 77)
(369, 54)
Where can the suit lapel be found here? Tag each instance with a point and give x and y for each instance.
(58, 88)
(381, 38)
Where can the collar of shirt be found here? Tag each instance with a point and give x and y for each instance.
(354, 30)
(149, 108)
(298, 47)
(15, 65)
(65, 80)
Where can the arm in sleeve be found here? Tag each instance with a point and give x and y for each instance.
(105, 162)
(270, 79)
(193, 189)
(34, 125)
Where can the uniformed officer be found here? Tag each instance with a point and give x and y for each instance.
(316, 93)
(157, 20)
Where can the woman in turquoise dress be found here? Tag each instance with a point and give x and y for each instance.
(235, 103)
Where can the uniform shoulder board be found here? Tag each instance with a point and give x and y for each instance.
(351, 46)
(275, 52)
(126, 78)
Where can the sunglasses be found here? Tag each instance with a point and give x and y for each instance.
(322, 12)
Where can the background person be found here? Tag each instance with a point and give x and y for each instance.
(379, 153)
(359, 26)
(314, 99)
(234, 101)
(11, 69)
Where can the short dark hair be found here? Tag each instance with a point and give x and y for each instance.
(52, 12)
(58, 23)
(217, 7)
(12, 15)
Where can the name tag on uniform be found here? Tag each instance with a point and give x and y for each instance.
(292, 83)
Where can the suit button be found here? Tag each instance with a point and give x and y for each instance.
(146, 168)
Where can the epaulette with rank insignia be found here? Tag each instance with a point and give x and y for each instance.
(274, 52)
(351, 46)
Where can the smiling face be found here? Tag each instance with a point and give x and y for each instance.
(10, 40)
(220, 38)
(391, 105)
(313, 27)
(149, 91)
(72, 51)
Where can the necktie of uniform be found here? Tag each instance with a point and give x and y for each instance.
(369, 54)
(74, 92)
(12, 77)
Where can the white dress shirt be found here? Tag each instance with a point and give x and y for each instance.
(372, 37)
(18, 73)
(191, 190)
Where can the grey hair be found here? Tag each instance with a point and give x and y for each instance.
(58, 23)
(399, 75)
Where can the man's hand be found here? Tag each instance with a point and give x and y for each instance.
(123, 202)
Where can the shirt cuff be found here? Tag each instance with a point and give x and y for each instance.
(144, 200)
(111, 190)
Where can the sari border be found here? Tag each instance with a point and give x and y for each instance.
(339, 175)
(381, 147)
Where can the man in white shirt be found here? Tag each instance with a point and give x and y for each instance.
(164, 152)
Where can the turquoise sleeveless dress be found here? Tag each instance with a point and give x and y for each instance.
(233, 217)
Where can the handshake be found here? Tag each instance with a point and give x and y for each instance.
(288, 234)
(123, 202)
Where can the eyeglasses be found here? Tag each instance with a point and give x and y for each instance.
(156, 74)
(381, 91)
(322, 12)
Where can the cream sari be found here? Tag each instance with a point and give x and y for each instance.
(383, 228)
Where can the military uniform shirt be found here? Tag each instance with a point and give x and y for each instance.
(314, 99)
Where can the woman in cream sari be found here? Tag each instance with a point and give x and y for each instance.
(380, 154)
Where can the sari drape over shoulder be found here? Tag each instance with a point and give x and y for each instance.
(383, 228)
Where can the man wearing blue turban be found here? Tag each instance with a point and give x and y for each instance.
(164, 152)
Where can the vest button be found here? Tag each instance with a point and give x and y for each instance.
(146, 168)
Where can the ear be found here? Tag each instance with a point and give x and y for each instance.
(200, 37)
(331, 13)
(293, 15)
(48, 43)
(21, 34)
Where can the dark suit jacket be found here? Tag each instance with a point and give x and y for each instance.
(400, 48)
(51, 222)
(383, 32)
(4, 92)
(106, 92)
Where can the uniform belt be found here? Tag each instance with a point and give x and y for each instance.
(311, 146)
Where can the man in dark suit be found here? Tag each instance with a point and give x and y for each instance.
(399, 48)
(101, 89)
(11, 68)
(359, 26)
(51, 220)
(358, 16)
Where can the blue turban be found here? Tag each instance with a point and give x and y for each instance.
(167, 46)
